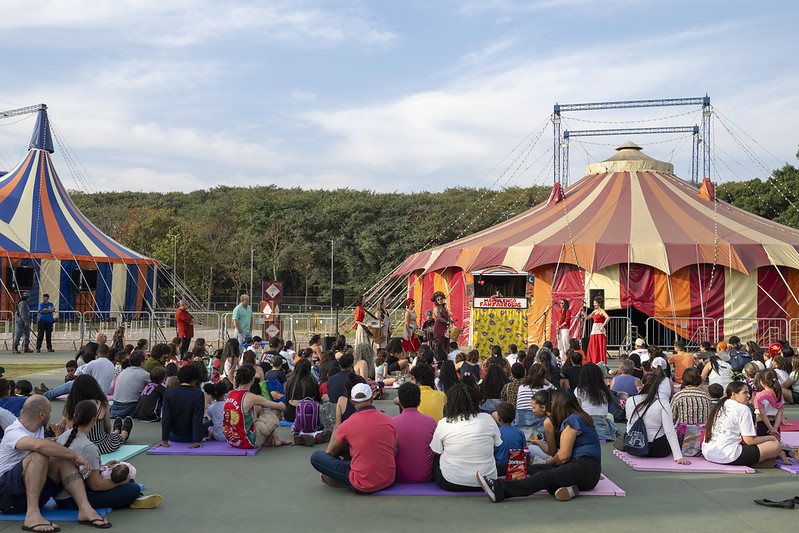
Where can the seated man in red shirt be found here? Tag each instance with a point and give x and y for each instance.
(414, 433)
(372, 437)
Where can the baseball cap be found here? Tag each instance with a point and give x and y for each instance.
(721, 346)
(361, 392)
(774, 348)
(277, 360)
(659, 361)
(640, 342)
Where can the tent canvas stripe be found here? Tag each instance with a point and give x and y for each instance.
(11, 191)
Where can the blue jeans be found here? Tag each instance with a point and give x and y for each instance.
(121, 496)
(22, 332)
(525, 418)
(123, 409)
(58, 391)
(333, 467)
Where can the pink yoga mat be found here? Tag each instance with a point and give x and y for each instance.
(789, 425)
(667, 464)
(605, 487)
(792, 468)
(210, 447)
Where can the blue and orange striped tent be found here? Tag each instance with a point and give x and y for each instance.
(41, 229)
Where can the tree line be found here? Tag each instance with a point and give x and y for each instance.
(212, 232)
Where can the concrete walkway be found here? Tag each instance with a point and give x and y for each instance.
(278, 490)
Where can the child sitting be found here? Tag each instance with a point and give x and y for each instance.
(23, 388)
(171, 376)
(543, 448)
(471, 366)
(71, 367)
(216, 410)
(277, 370)
(716, 393)
(118, 472)
(381, 368)
(512, 438)
(148, 408)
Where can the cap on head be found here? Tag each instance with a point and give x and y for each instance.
(361, 392)
(640, 342)
(659, 362)
(721, 346)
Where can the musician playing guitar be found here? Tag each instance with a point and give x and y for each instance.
(441, 315)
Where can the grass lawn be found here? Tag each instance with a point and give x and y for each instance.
(14, 371)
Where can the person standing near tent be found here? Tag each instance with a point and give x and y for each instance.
(564, 322)
(45, 321)
(242, 318)
(185, 323)
(440, 314)
(597, 343)
(23, 325)
(361, 336)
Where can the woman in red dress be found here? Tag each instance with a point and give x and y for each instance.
(597, 343)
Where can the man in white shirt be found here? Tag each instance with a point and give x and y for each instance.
(454, 350)
(640, 349)
(34, 469)
(102, 369)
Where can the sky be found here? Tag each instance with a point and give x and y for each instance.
(388, 95)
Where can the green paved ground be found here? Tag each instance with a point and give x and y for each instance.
(278, 489)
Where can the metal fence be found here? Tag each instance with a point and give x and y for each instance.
(619, 333)
(764, 331)
(665, 330)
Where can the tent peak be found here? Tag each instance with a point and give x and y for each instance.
(629, 158)
(629, 145)
(41, 138)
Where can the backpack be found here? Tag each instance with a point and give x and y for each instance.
(636, 441)
(739, 359)
(307, 417)
(327, 415)
(276, 390)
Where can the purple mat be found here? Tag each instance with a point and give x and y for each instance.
(792, 468)
(210, 447)
(605, 487)
(790, 439)
(667, 464)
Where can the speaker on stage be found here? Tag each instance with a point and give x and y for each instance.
(20, 278)
(327, 343)
(593, 293)
(337, 299)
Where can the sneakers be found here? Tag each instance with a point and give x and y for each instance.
(565, 494)
(14, 351)
(127, 425)
(50, 350)
(28, 350)
(304, 440)
(117, 424)
(330, 482)
(487, 484)
(323, 437)
(150, 501)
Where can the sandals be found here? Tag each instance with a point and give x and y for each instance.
(785, 504)
(43, 524)
(96, 522)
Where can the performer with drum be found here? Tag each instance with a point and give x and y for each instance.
(410, 342)
(441, 315)
(385, 324)
(361, 336)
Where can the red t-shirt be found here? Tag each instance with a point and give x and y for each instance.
(414, 456)
(565, 317)
(371, 435)
(359, 316)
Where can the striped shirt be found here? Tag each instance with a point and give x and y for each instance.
(691, 405)
(524, 396)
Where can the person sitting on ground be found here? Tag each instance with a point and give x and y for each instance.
(691, 405)
(447, 376)
(372, 439)
(302, 385)
(716, 393)
(71, 367)
(250, 420)
(512, 438)
(102, 368)
(459, 360)
(364, 361)
(151, 401)
(661, 367)
(101, 492)
(107, 437)
(780, 366)
(336, 385)
(491, 388)
(577, 463)
(327, 362)
(464, 442)
(248, 358)
(721, 351)
(624, 381)
(594, 397)
(769, 404)
(397, 359)
(182, 413)
(276, 372)
(159, 356)
(571, 373)
(513, 355)
(433, 400)
(790, 388)
(717, 371)
(641, 349)
(142, 345)
(414, 431)
(22, 388)
(472, 365)
(214, 421)
(681, 360)
(34, 469)
(129, 386)
(729, 423)
(658, 419)
(547, 444)
(511, 389)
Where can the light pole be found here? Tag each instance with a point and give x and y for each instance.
(175, 269)
(252, 254)
(331, 276)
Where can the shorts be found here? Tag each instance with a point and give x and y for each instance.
(761, 429)
(750, 456)
(795, 396)
(12, 491)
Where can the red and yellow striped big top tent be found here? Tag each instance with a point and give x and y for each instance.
(651, 241)
(43, 233)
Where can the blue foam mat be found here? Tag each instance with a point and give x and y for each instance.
(52, 512)
(286, 424)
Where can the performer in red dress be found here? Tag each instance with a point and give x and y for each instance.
(597, 342)
(564, 323)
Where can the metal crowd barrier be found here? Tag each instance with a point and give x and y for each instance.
(664, 331)
(764, 331)
(619, 333)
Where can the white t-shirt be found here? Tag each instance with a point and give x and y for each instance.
(466, 447)
(722, 377)
(9, 454)
(512, 358)
(782, 375)
(658, 420)
(592, 409)
(665, 389)
(102, 370)
(643, 353)
(732, 423)
(453, 355)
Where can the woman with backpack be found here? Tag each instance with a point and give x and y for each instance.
(717, 371)
(301, 385)
(650, 416)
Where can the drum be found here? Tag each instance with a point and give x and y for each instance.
(376, 331)
(453, 332)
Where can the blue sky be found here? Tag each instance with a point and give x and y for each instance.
(386, 95)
